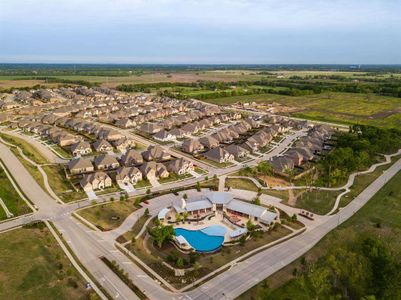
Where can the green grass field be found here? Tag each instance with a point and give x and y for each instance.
(33, 266)
(380, 218)
(344, 108)
(108, 216)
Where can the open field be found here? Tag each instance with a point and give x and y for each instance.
(317, 201)
(108, 216)
(147, 77)
(346, 108)
(379, 218)
(10, 197)
(35, 267)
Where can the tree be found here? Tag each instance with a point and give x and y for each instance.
(148, 191)
(250, 226)
(256, 201)
(264, 168)
(178, 217)
(146, 213)
(185, 215)
(185, 196)
(198, 186)
(294, 217)
(242, 240)
(162, 234)
(180, 262)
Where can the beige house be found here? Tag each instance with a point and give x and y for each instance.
(124, 144)
(155, 152)
(81, 148)
(219, 155)
(237, 151)
(180, 166)
(153, 169)
(192, 146)
(128, 175)
(209, 142)
(66, 139)
(106, 162)
(102, 146)
(131, 158)
(80, 166)
(96, 181)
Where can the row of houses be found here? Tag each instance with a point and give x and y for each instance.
(185, 130)
(305, 149)
(100, 178)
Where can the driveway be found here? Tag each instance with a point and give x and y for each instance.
(153, 181)
(91, 194)
(127, 187)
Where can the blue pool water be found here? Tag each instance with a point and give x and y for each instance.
(203, 241)
(216, 230)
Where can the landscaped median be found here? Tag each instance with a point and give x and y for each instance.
(15, 206)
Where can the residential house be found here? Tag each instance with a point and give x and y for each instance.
(209, 142)
(153, 169)
(192, 146)
(150, 128)
(219, 155)
(155, 152)
(125, 123)
(191, 128)
(109, 134)
(128, 175)
(180, 166)
(178, 133)
(124, 144)
(282, 164)
(102, 146)
(106, 162)
(163, 136)
(96, 181)
(66, 139)
(131, 158)
(237, 151)
(80, 166)
(81, 148)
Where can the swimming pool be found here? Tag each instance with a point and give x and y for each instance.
(207, 239)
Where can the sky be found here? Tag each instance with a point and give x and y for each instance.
(201, 31)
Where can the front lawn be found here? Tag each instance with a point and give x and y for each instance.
(174, 177)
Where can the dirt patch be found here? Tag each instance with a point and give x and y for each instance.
(385, 114)
(273, 181)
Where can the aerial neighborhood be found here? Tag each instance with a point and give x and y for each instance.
(184, 188)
